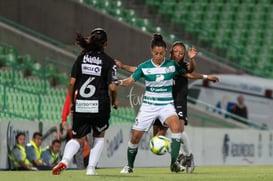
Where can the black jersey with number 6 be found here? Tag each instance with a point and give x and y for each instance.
(93, 73)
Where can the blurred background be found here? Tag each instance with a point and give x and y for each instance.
(234, 39)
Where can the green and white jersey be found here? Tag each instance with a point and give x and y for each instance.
(158, 81)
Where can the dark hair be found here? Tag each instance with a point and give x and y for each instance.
(19, 134)
(95, 42)
(56, 141)
(178, 43)
(37, 134)
(158, 41)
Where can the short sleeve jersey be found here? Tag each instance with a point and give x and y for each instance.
(158, 81)
(180, 87)
(93, 72)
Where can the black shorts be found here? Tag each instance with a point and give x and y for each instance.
(82, 124)
(181, 110)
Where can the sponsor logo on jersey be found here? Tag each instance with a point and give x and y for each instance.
(91, 69)
(158, 89)
(87, 106)
(92, 60)
(158, 70)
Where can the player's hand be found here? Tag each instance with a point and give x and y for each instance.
(118, 63)
(213, 78)
(64, 125)
(192, 52)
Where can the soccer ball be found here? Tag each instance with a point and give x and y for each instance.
(160, 145)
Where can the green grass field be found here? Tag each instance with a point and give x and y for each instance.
(222, 173)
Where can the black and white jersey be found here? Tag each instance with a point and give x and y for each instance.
(93, 73)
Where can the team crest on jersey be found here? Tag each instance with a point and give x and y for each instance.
(168, 69)
(159, 78)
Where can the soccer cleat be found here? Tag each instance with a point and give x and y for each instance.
(177, 167)
(190, 166)
(181, 159)
(187, 161)
(58, 168)
(90, 170)
(126, 169)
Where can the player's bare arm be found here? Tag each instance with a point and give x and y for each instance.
(113, 93)
(192, 52)
(201, 76)
(128, 68)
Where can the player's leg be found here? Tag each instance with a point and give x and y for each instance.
(79, 129)
(144, 120)
(71, 148)
(169, 117)
(159, 129)
(176, 129)
(99, 128)
(185, 159)
(79, 158)
(132, 150)
(95, 152)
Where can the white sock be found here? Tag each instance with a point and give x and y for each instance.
(186, 144)
(95, 152)
(71, 148)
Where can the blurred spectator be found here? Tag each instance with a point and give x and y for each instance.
(34, 151)
(240, 108)
(51, 154)
(18, 155)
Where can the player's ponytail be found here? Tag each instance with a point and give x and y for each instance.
(95, 42)
(158, 41)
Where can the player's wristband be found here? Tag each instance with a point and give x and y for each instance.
(205, 76)
(120, 82)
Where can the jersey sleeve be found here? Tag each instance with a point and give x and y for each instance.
(114, 76)
(137, 73)
(75, 69)
(180, 70)
(112, 73)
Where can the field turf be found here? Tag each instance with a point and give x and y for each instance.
(212, 173)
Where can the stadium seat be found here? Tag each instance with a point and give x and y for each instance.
(226, 16)
(167, 8)
(37, 70)
(266, 2)
(213, 7)
(243, 16)
(155, 3)
(50, 70)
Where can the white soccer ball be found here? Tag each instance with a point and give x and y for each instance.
(160, 145)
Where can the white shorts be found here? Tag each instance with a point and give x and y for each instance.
(149, 113)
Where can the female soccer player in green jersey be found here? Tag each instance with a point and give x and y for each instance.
(158, 73)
